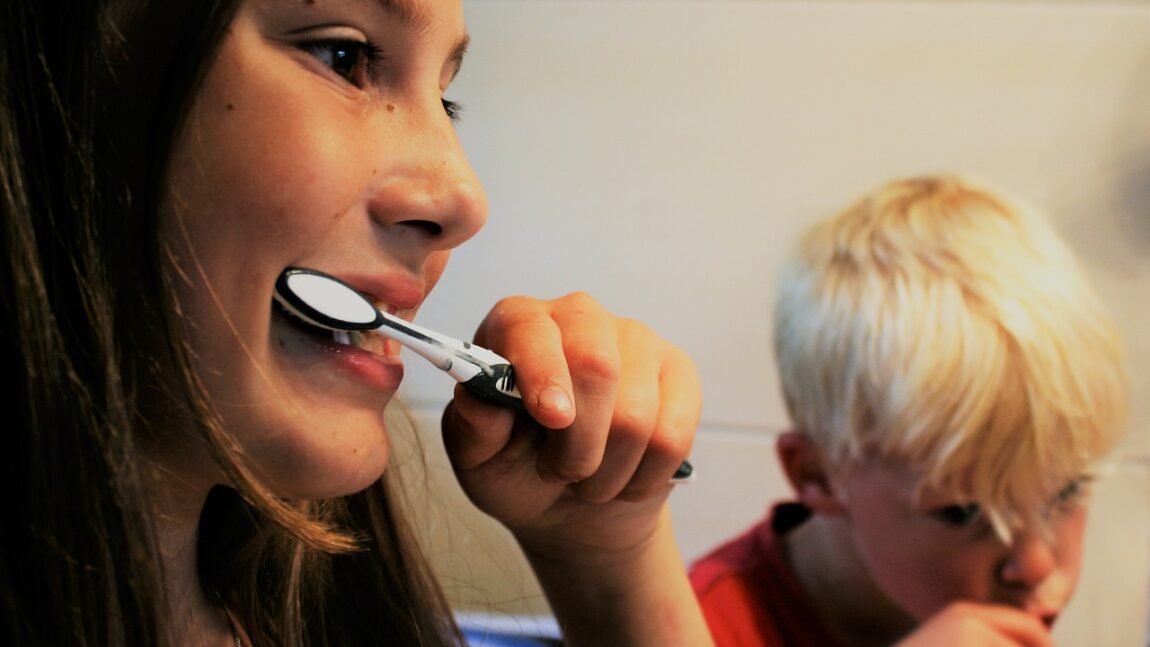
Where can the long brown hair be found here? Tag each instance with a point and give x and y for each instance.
(92, 96)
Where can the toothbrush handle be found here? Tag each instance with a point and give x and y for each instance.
(499, 388)
(684, 474)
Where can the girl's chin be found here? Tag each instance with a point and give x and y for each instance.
(329, 479)
(314, 447)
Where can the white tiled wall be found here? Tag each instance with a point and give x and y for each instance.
(662, 155)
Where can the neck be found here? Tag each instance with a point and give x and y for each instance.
(831, 571)
(193, 617)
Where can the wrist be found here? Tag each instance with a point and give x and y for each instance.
(635, 595)
(593, 555)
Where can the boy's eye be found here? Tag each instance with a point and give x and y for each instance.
(958, 515)
(1070, 494)
(348, 58)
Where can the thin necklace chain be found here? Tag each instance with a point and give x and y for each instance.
(234, 627)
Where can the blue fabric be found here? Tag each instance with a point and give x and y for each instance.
(488, 629)
(485, 638)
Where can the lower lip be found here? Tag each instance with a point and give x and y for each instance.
(379, 372)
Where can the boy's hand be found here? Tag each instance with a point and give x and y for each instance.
(612, 413)
(989, 625)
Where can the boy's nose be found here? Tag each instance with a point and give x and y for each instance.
(1028, 563)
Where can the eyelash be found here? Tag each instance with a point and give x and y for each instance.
(959, 516)
(453, 109)
(367, 56)
(1070, 494)
(330, 52)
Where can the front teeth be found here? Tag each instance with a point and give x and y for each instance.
(356, 339)
(350, 338)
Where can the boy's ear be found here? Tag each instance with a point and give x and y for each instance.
(804, 469)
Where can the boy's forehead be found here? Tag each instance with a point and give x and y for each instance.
(903, 482)
(884, 478)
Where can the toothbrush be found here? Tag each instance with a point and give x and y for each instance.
(327, 302)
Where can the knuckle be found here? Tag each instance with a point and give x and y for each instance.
(508, 310)
(579, 301)
(572, 470)
(631, 421)
(669, 446)
(595, 365)
(632, 328)
(682, 358)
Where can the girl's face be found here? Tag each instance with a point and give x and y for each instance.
(320, 138)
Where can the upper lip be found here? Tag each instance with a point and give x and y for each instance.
(397, 294)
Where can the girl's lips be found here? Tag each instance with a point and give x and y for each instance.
(393, 294)
(382, 371)
(367, 356)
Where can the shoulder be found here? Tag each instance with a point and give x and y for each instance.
(749, 555)
(746, 589)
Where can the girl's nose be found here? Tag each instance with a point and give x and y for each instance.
(433, 193)
(1029, 562)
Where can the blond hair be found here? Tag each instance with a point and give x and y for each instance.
(935, 324)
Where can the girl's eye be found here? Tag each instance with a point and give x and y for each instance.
(958, 515)
(452, 109)
(350, 59)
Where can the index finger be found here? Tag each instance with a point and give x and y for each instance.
(1018, 626)
(523, 330)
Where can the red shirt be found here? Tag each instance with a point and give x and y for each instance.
(749, 595)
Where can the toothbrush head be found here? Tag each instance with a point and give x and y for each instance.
(325, 301)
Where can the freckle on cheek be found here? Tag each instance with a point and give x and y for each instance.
(231, 106)
(391, 107)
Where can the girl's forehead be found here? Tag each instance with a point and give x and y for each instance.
(412, 12)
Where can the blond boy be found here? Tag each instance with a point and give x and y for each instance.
(954, 387)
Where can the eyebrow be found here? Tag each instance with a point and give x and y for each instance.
(406, 12)
(457, 54)
(413, 15)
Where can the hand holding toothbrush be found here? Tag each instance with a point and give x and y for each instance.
(582, 481)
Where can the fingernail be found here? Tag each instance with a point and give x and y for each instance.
(555, 399)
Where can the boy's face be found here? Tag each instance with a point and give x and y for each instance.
(928, 554)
